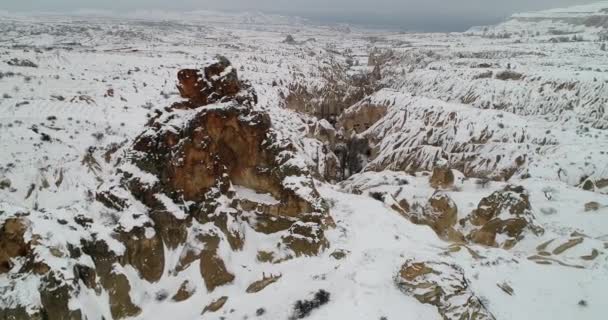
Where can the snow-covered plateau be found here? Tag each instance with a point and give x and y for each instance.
(208, 165)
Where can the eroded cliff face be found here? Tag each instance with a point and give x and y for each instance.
(207, 174)
(338, 89)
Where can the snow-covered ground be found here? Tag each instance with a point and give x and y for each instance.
(486, 98)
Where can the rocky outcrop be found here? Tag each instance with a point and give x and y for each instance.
(215, 305)
(506, 212)
(442, 177)
(21, 63)
(185, 291)
(443, 286)
(226, 159)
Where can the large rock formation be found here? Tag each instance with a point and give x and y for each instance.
(204, 170)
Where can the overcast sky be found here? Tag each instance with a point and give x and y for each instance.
(424, 15)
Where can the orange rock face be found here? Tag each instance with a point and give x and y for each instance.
(220, 146)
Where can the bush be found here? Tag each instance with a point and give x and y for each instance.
(260, 312)
(377, 196)
(509, 75)
(303, 308)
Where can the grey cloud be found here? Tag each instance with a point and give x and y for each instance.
(429, 15)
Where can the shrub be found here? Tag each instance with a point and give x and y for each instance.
(303, 308)
(377, 196)
(509, 75)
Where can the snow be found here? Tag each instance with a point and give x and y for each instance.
(173, 208)
(252, 195)
(555, 116)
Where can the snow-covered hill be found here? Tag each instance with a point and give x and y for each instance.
(321, 173)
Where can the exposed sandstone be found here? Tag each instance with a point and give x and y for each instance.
(55, 297)
(231, 143)
(212, 266)
(12, 242)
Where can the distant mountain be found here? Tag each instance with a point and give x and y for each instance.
(590, 19)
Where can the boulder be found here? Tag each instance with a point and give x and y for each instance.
(185, 291)
(440, 213)
(506, 212)
(443, 286)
